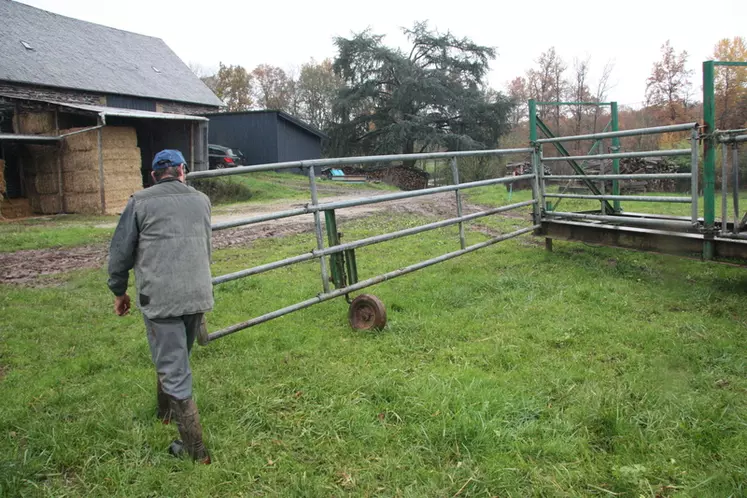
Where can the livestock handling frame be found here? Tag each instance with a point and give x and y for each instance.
(609, 225)
(367, 311)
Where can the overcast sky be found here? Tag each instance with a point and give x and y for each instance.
(287, 33)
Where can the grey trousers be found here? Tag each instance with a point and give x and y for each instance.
(171, 341)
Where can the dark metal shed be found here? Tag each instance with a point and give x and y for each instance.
(266, 136)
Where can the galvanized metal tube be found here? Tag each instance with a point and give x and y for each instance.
(623, 133)
(726, 138)
(735, 172)
(694, 178)
(536, 193)
(258, 219)
(363, 242)
(365, 200)
(642, 176)
(542, 205)
(603, 187)
(256, 270)
(455, 175)
(642, 198)
(417, 193)
(318, 229)
(363, 284)
(338, 161)
(621, 155)
(724, 190)
(625, 220)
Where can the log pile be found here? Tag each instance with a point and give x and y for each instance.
(639, 166)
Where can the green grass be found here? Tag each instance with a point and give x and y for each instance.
(508, 372)
(54, 231)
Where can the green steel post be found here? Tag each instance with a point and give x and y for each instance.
(615, 162)
(337, 263)
(709, 159)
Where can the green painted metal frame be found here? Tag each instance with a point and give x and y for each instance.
(535, 122)
(343, 266)
(709, 152)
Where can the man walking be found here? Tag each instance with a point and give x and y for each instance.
(164, 234)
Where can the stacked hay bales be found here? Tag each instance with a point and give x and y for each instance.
(35, 123)
(11, 208)
(80, 170)
(67, 178)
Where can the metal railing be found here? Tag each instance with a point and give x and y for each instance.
(730, 139)
(540, 212)
(693, 224)
(315, 207)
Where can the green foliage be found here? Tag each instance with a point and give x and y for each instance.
(232, 85)
(432, 97)
(508, 372)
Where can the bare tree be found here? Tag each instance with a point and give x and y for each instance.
(578, 91)
(669, 83)
(603, 87)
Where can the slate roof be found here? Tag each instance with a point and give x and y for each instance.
(75, 54)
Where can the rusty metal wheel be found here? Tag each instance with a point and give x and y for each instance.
(367, 312)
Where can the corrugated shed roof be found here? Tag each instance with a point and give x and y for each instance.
(127, 113)
(70, 53)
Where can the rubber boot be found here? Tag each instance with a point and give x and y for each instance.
(202, 333)
(164, 405)
(188, 421)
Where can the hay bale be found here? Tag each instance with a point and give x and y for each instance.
(88, 203)
(113, 137)
(80, 182)
(46, 204)
(47, 183)
(35, 123)
(41, 159)
(15, 208)
(87, 161)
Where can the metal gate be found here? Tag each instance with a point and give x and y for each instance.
(341, 266)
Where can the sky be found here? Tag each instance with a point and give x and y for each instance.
(288, 33)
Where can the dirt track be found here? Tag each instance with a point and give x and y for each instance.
(25, 267)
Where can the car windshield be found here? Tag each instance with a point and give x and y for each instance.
(229, 152)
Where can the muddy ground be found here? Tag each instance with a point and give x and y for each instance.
(27, 266)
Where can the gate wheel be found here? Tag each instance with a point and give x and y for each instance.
(367, 312)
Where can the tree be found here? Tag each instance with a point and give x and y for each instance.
(431, 97)
(233, 86)
(731, 84)
(518, 94)
(669, 84)
(545, 83)
(317, 87)
(578, 91)
(273, 88)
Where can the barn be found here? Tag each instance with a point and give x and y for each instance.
(83, 109)
(266, 136)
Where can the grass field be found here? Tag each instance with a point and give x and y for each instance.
(508, 372)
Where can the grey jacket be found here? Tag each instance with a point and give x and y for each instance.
(164, 234)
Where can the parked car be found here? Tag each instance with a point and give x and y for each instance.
(220, 157)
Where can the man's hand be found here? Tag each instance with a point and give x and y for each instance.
(122, 304)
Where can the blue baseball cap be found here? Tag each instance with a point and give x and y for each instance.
(167, 158)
